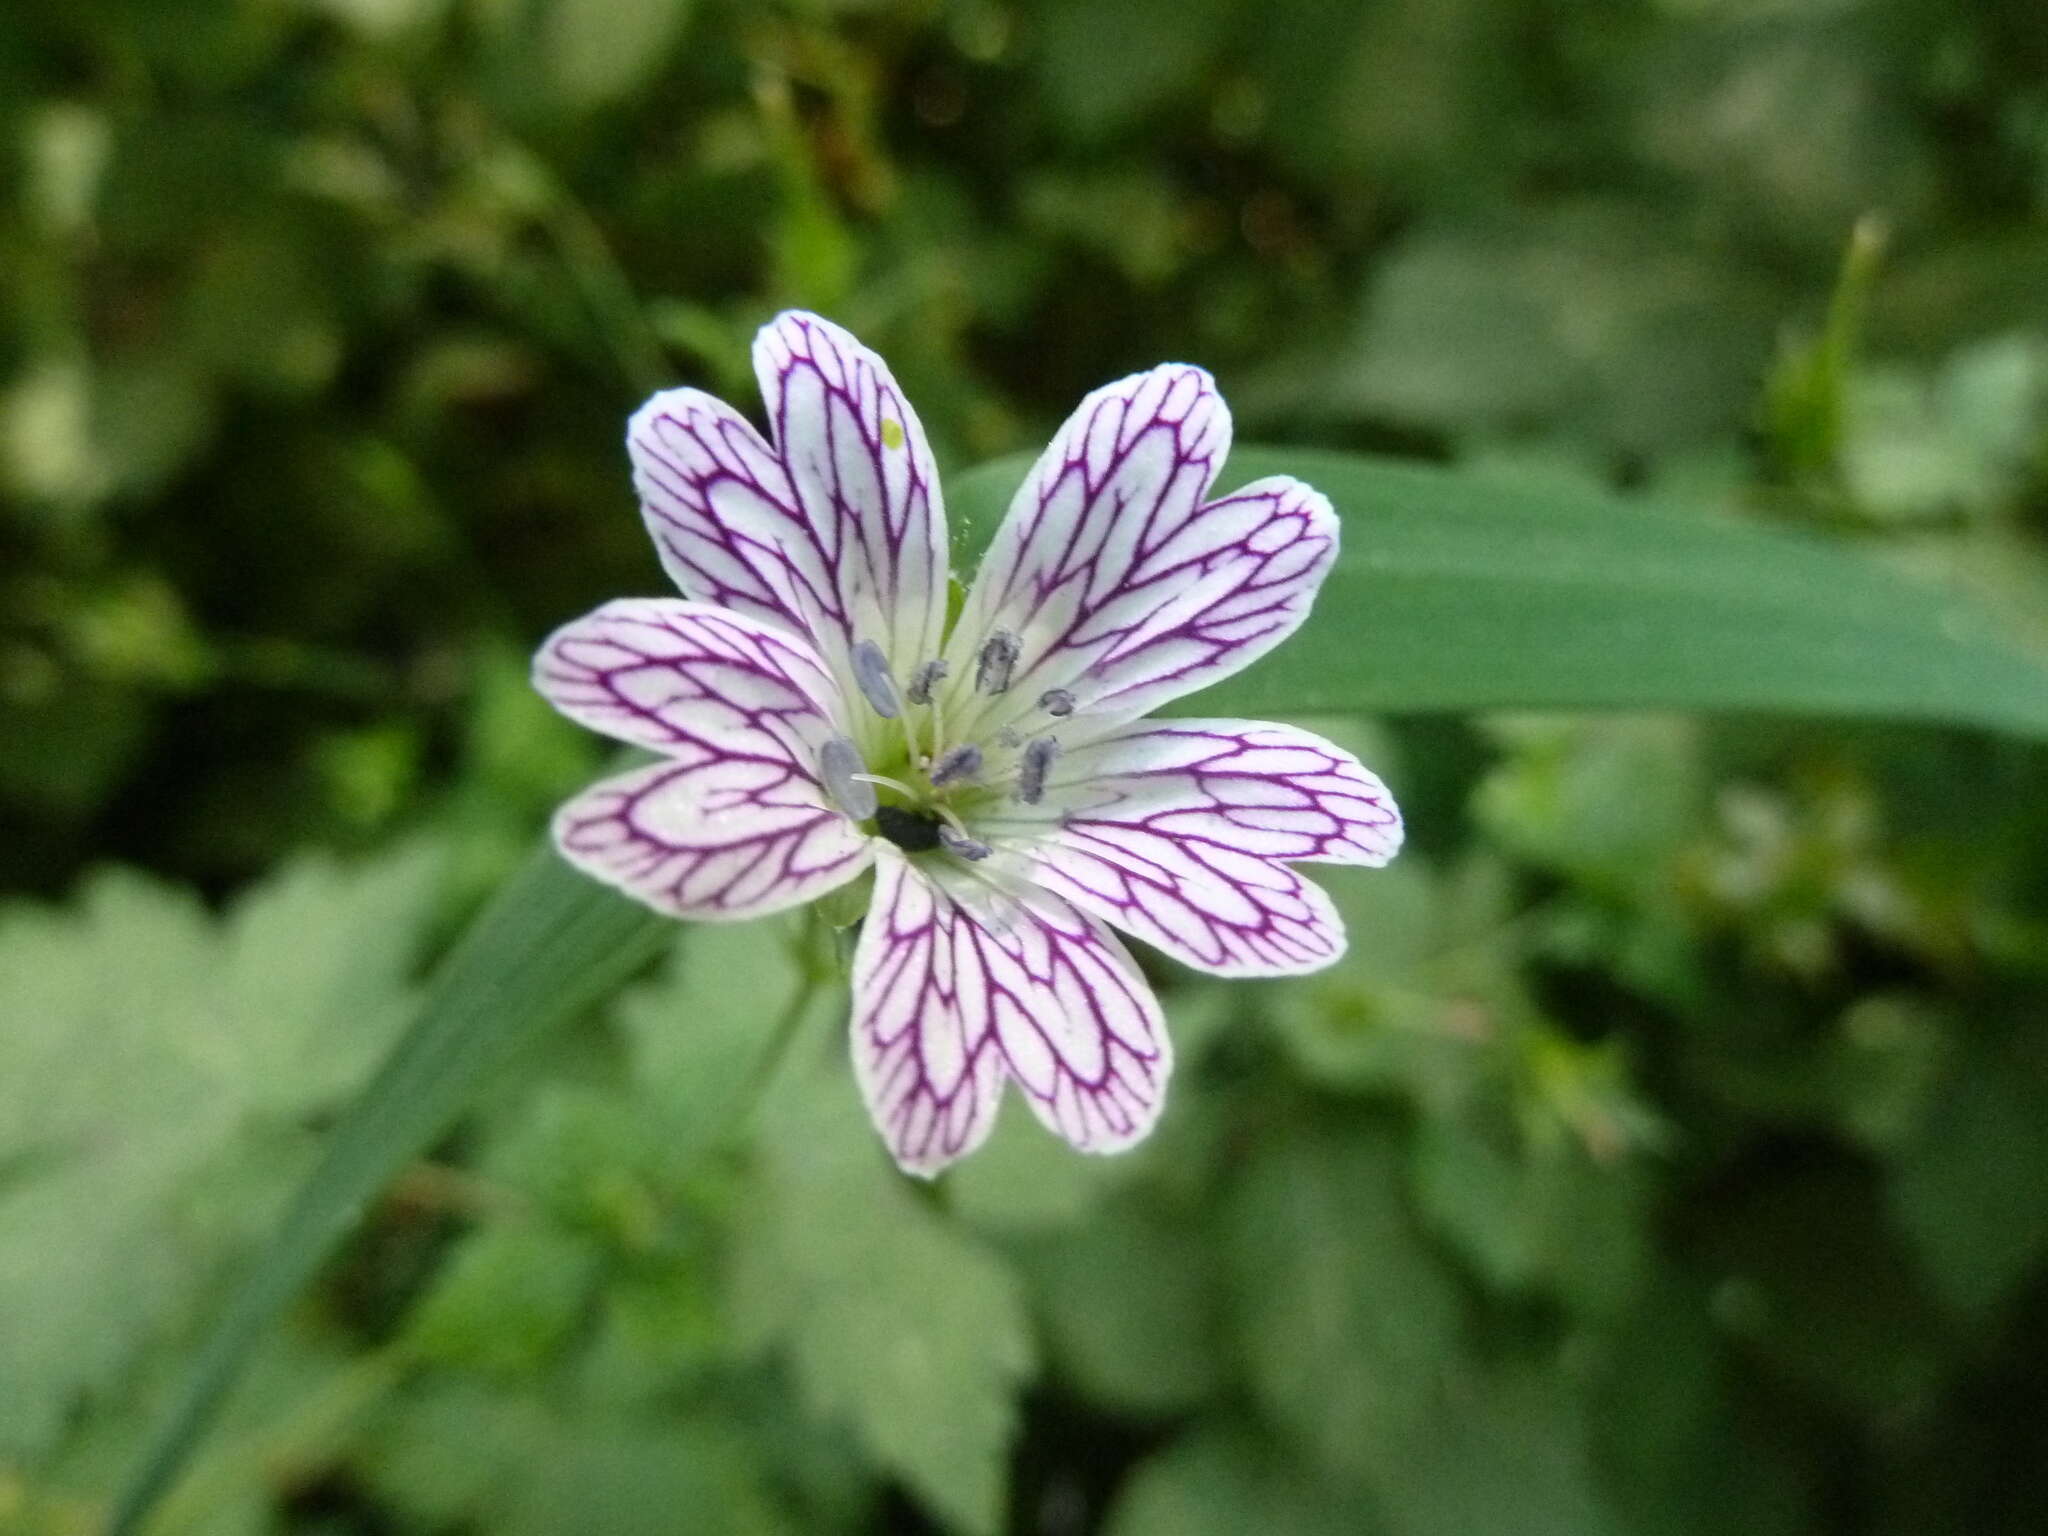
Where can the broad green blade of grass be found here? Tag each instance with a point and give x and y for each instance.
(550, 945)
(1451, 594)
(1455, 594)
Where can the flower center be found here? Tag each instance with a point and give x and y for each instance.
(912, 831)
(923, 800)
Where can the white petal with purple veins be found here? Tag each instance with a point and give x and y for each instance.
(1178, 833)
(722, 513)
(963, 978)
(664, 673)
(1200, 901)
(925, 999)
(734, 822)
(835, 530)
(1126, 586)
(1272, 791)
(713, 835)
(863, 475)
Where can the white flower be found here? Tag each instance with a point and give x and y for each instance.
(816, 718)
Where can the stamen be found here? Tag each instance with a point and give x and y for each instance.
(1056, 702)
(998, 660)
(1038, 756)
(839, 766)
(886, 782)
(923, 680)
(871, 672)
(960, 843)
(960, 763)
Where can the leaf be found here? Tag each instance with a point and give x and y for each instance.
(1505, 1455)
(507, 1300)
(596, 51)
(1106, 66)
(1416, 1004)
(1608, 803)
(699, 1037)
(123, 1187)
(1963, 439)
(1220, 1480)
(1967, 1193)
(551, 945)
(1024, 1179)
(1538, 1216)
(1456, 594)
(1132, 1310)
(1346, 1321)
(455, 1455)
(1589, 319)
(897, 1323)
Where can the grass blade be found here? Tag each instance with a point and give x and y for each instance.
(1457, 594)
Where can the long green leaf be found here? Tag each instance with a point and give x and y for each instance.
(551, 944)
(1456, 594)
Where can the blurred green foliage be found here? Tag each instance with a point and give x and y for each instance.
(1668, 1155)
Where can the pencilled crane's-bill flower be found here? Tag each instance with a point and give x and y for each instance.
(816, 716)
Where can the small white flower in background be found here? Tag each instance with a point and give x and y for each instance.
(816, 719)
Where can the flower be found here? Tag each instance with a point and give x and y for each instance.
(817, 716)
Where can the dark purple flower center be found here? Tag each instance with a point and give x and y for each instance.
(912, 831)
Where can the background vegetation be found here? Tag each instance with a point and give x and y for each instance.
(1668, 1156)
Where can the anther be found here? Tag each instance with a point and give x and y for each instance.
(1031, 771)
(871, 672)
(1056, 702)
(840, 766)
(998, 659)
(923, 680)
(966, 847)
(960, 763)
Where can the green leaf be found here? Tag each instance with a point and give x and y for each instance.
(1606, 802)
(551, 945)
(1107, 65)
(122, 1188)
(1588, 319)
(1132, 1309)
(1543, 1215)
(1967, 1193)
(1347, 1322)
(508, 1299)
(455, 1455)
(1222, 1481)
(896, 1322)
(1024, 1179)
(1506, 1454)
(595, 51)
(1453, 593)
(700, 1036)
